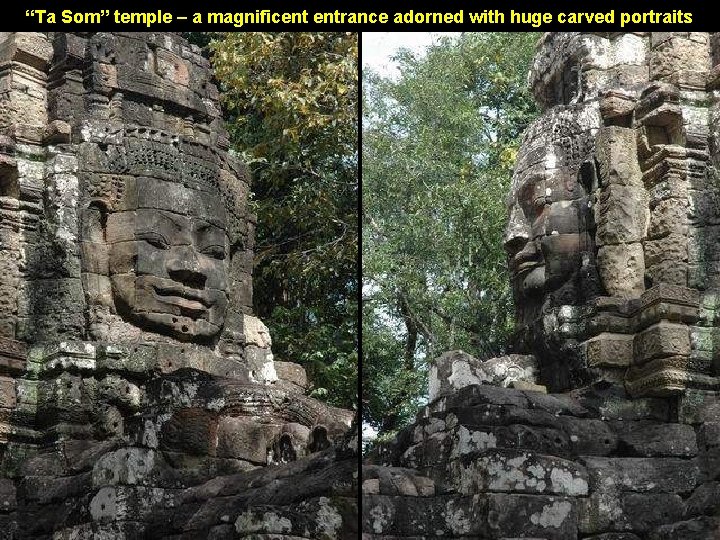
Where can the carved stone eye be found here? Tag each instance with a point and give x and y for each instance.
(216, 252)
(154, 240)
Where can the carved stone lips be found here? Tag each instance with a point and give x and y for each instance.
(525, 262)
(192, 302)
(526, 266)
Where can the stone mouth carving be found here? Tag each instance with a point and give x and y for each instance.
(193, 303)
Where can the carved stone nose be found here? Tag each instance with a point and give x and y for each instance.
(515, 244)
(186, 269)
(189, 277)
(517, 233)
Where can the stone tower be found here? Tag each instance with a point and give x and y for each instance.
(138, 394)
(612, 245)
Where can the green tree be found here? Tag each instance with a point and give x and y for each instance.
(291, 100)
(439, 143)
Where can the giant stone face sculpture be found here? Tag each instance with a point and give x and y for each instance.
(609, 217)
(549, 235)
(131, 365)
(608, 425)
(169, 269)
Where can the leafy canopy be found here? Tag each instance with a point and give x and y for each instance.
(291, 99)
(439, 143)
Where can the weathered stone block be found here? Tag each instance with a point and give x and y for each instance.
(124, 466)
(136, 358)
(291, 372)
(8, 501)
(638, 512)
(589, 436)
(642, 475)
(29, 48)
(665, 377)
(192, 430)
(615, 104)
(668, 217)
(614, 536)
(443, 515)
(553, 518)
(517, 471)
(456, 369)
(396, 481)
(698, 406)
(671, 294)
(671, 248)
(668, 272)
(94, 258)
(8, 396)
(121, 503)
(661, 340)
(621, 215)
(173, 357)
(47, 489)
(622, 269)
(651, 439)
(121, 392)
(705, 500)
(528, 387)
(470, 396)
(435, 450)
(703, 528)
(609, 350)
(241, 438)
(709, 443)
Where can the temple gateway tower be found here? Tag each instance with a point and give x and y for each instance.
(604, 423)
(139, 397)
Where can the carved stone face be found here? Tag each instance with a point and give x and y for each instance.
(168, 260)
(547, 237)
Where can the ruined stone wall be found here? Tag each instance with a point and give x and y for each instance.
(139, 397)
(491, 463)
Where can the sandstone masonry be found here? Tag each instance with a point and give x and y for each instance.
(605, 424)
(139, 397)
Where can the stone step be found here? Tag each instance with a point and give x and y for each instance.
(395, 481)
(703, 528)
(631, 512)
(488, 516)
(464, 430)
(515, 471)
(458, 431)
(642, 475)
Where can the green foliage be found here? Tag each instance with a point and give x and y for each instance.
(291, 100)
(439, 144)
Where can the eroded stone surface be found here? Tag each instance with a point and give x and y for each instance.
(457, 369)
(139, 396)
(612, 242)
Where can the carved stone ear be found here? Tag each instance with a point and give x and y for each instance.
(94, 220)
(92, 239)
(588, 176)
